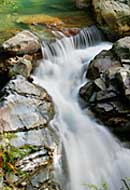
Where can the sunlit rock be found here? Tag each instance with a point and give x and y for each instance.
(30, 146)
(23, 42)
(113, 17)
(24, 106)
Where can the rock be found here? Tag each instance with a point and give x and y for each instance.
(12, 66)
(23, 42)
(86, 91)
(100, 83)
(33, 147)
(24, 106)
(101, 63)
(19, 55)
(123, 79)
(113, 17)
(33, 160)
(107, 94)
(39, 19)
(22, 67)
(111, 72)
(103, 107)
(122, 49)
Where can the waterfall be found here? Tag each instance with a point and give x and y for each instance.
(93, 155)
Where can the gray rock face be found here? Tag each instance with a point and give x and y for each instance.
(113, 16)
(31, 145)
(101, 63)
(122, 49)
(108, 92)
(25, 106)
(24, 42)
(123, 78)
(34, 159)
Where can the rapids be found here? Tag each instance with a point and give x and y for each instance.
(93, 154)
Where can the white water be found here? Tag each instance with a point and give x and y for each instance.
(93, 154)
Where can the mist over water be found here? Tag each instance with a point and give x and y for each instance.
(93, 155)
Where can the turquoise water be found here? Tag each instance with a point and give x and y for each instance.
(11, 13)
(39, 6)
(51, 7)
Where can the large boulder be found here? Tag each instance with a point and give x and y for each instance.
(113, 17)
(30, 147)
(24, 106)
(101, 63)
(107, 94)
(122, 49)
(24, 42)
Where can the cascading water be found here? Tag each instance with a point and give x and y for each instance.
(93, 154)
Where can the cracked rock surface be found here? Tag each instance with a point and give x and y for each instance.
(107, 94)
(29, 145)
(24, 106)
(113, 17)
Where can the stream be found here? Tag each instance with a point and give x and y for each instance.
(94, 156)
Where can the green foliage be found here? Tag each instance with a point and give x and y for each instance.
(12, 3)
(7, 188)
(125, 182)
(95, 187)
(91, 186)
(10, 154)
(104, 186)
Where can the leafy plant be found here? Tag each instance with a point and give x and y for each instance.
(91, 186)
(104, 185)
(10, 154)
(125, 182)
(95, 187)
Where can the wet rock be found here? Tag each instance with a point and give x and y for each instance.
(30, 146)
(23, 42)
(22, 67)
(123, 78)
(100, 64)
(122, 49)
(100, 84)
(107, 94)
(69, 32)
(18, 55)
(104, 107)
(24, 106)
(113, 17)
(39, 19)
(86, 91)
(12, 66)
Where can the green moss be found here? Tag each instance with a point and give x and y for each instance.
(10, 154)
(7, 188)
(9, 136)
